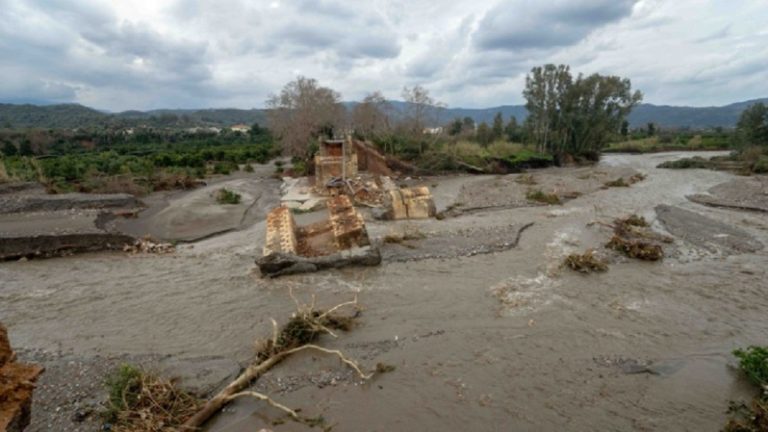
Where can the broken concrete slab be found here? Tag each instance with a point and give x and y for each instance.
(409, 203)
(36, 202)
(705, 233)
(741, 194)
(312, 204)
(326, 244)
(16, 386)
(280, 264)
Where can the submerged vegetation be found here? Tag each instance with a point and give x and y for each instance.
(632, 238)
(585, 263)
(538, 195)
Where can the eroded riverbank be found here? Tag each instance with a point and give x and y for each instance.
(501, 340)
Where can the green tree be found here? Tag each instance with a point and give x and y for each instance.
(9, 149)
(498, 126)
(575, 116)
(25, 149)
(468, 124)
(752, 128)
(455, 127)
(512, 130)
(484, 134)
(651, 129)
(624, 128)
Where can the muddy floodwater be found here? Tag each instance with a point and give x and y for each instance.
(483, 342)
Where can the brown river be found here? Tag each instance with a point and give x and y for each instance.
(501, 341)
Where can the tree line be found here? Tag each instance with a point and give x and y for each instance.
(568, 116)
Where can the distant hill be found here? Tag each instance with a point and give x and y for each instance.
(75, 116)
(49, 116)
(70, 116)
(662, 115)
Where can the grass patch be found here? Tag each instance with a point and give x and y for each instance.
(226, 196)
(585, 263)
(754, 362)
(140, 402)
(539, 196)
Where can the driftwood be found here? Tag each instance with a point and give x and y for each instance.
(306, 325)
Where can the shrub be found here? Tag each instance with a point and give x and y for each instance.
(754, 362)
(761, 166)
(619, 182)
(542, 197)
(225, 196)
(695, 162)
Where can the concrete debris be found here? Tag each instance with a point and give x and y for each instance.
(148, 245)
(16, 386)
(409, 203)
(336, 159)
(340, 240)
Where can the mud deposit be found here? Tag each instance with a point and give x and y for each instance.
(500, 341)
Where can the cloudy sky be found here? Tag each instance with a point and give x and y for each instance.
(143, 54)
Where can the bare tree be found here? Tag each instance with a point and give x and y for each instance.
(421, 111)
(371, 118)
(303, 111)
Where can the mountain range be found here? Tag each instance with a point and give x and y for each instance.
(75, 115)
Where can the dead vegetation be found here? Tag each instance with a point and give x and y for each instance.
(141, 402)
(585, 263)
(632, 237)
(621, 182)
(305, 327)
(546, 198)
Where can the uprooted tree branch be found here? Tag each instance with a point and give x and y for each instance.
(145, 403)
(306, 325)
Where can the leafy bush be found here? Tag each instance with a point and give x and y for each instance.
(754, 362)
(761, 166)
(226, 196)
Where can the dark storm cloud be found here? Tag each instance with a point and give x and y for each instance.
(325, 26)
(524, 24)
(60, 47)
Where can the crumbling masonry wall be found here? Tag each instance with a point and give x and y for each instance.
(16, 385)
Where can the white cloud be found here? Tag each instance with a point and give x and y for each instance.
(208, 53)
